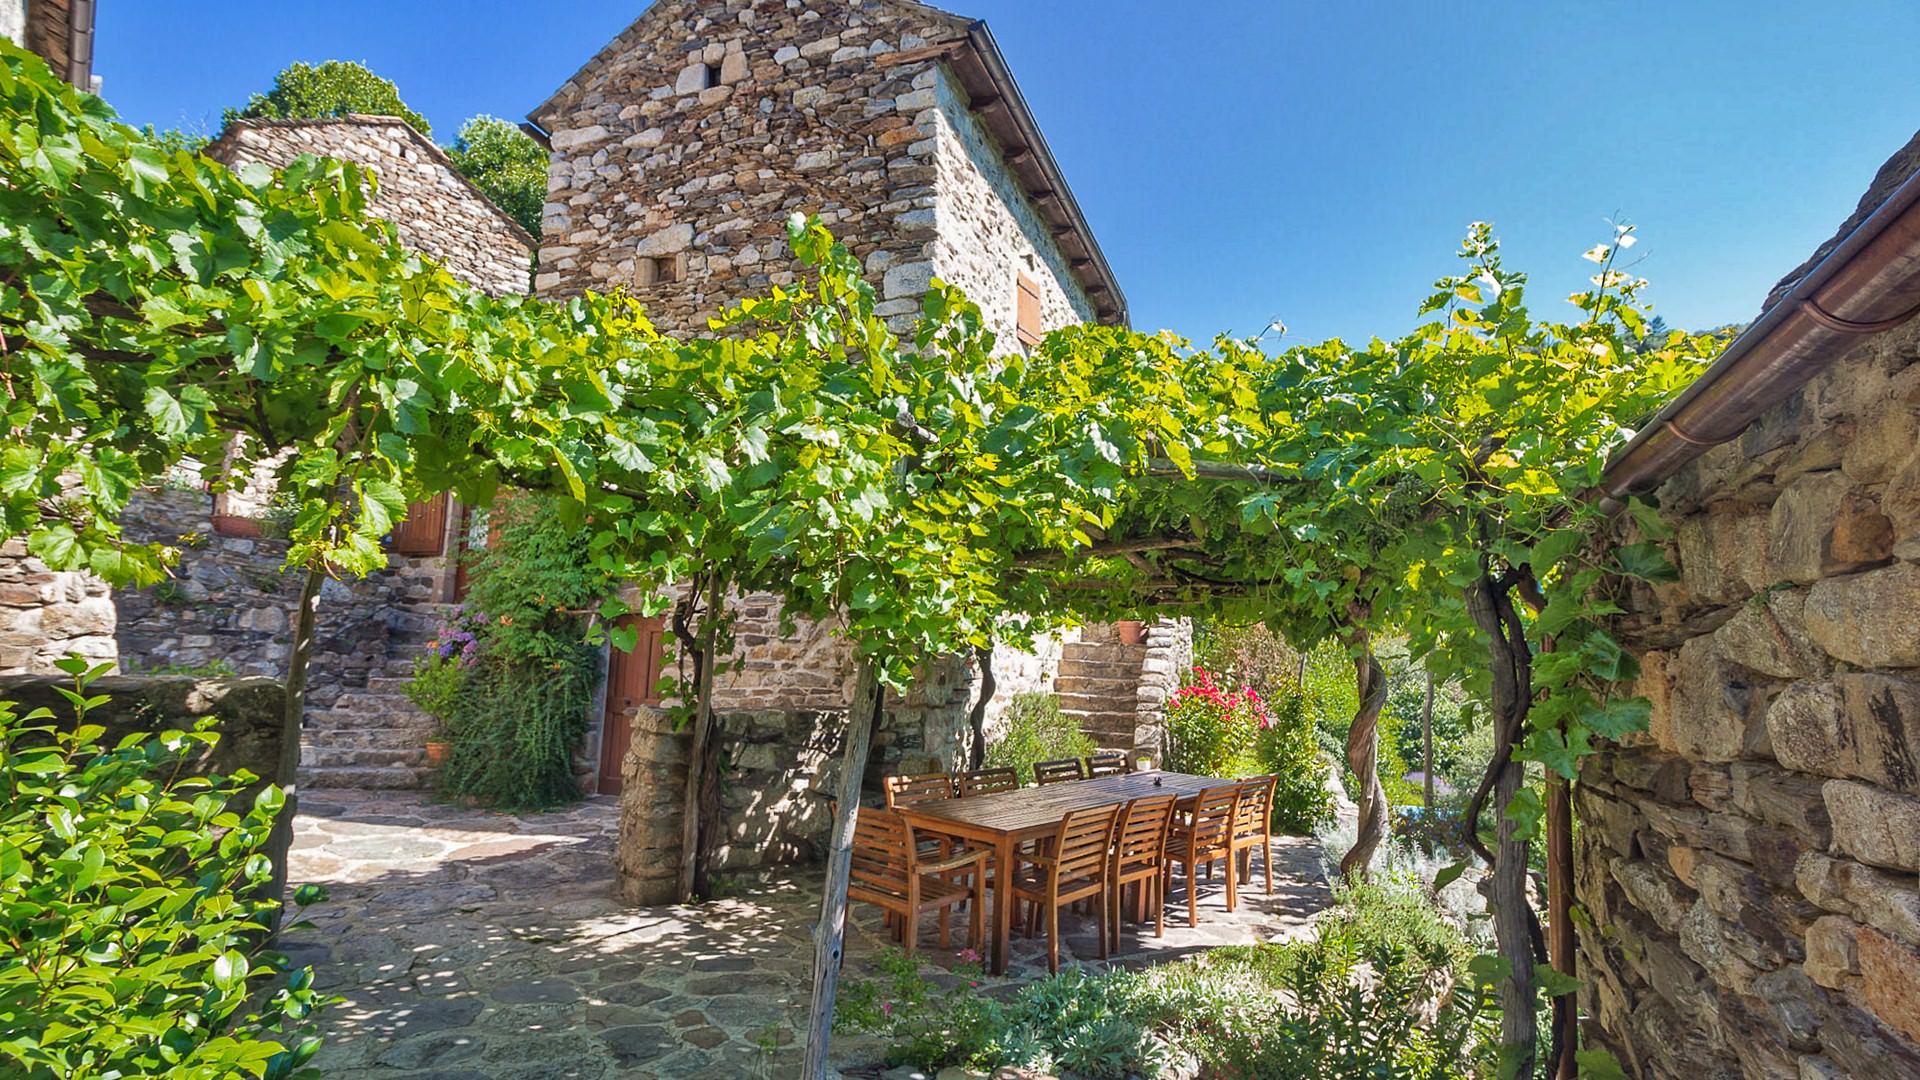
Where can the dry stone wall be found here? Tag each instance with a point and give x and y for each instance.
(230, 603)
(987, 230)
(679, 152)
(434, 210)
(1752, 863)
(48, 614)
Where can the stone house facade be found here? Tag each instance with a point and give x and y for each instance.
(680, 149)
(678, 153)
(1751, 864)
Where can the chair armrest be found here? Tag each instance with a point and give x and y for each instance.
(963, 857)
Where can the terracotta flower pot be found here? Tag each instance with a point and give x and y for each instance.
(1131, 633)
(437, 751)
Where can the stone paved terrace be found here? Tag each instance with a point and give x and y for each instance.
(480, 946)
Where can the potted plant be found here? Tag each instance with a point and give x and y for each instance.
(439, 676)
(1131, 633)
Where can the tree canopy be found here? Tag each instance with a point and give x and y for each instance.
(332, 88)
(506, 164)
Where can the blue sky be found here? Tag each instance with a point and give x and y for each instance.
(1246, 159)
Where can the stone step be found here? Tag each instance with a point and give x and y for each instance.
(389, 684)
(319, 757)
(363, 702)
(1075, 667)
(1096, 703)
(1098, 684)
(398, 737)
(1103, 652)
(366, 777)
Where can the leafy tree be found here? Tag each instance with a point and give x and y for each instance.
(173, 139)
(506, 164)
(334, 88)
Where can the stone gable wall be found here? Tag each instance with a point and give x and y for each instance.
(434, 210)
(987, 230)
(1751, 862)
(700, 129)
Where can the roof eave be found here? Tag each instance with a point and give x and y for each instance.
(997, 101)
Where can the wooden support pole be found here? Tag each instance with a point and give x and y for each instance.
(829, 937)
(697, 753)
(1426, 736)
(1560, 935)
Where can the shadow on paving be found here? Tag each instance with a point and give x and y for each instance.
(473, 946)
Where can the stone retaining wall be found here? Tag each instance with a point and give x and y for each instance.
(1750, 863)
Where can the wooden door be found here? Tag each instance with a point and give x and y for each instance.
(424, 530)
(631, 681)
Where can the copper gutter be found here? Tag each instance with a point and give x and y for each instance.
(1868, 283)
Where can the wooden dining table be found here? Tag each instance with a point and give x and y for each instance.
(1005, 820)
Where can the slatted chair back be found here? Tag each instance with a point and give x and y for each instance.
(1255, 810)
(1140, 837)
(1082, 844)
(1107, 763)
(987, 782)
(924, 787)
(1216, 810)
(883, 855)
(1058, 772)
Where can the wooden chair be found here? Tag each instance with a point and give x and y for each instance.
(1139, 859)
(1206, 837)
(1253, 826)
(987, 782)
(890, 873)
(1108, 763)
(925, 787)
(1058, 772)
(1075, 869)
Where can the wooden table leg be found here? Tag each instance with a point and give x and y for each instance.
(1002, 902)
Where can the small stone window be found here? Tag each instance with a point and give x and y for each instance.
(1026, 324)
(713, 76)
(658, 270)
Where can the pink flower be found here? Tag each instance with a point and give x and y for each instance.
(887, 1007)
(969, 956)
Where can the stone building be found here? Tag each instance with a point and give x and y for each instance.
(679, 150)
(678, 153)
(1749, 864)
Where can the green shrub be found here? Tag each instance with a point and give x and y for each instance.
(1036, 730)
(133, 927)
(1287, 748)
(525, 673)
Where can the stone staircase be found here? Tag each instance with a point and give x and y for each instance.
(368, 734)
(1099, 688)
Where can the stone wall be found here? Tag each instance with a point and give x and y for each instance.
(782, 722)
(247, 713)
(1750, 862)
(47, 614)
(988, 231)
(229, 602)
(434, 210)
(681, 149)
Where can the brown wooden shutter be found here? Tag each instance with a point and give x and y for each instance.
(424, 530)
(1027, 313)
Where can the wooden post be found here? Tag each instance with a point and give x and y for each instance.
(829, 937)
(1426, 733)
(1560, 935)
(697, 753)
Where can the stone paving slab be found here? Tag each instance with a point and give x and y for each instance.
(479, 946)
